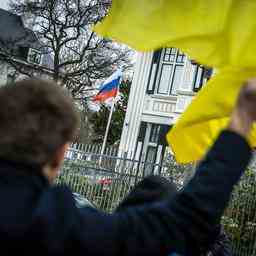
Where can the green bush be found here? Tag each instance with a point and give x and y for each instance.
(240, 216)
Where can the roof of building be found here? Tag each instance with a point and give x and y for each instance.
(13, 32)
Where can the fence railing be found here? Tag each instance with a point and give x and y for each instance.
(105, 180)
(95, 148)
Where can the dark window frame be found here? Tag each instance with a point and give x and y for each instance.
(171, 55)
(173, 75)
(32, 56)
(182, 55)
(174, 63)
(155, 133)
(198, 87)
(155, 61)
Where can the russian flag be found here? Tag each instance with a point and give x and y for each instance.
(109, 89)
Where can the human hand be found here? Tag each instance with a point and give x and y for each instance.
(244, 113)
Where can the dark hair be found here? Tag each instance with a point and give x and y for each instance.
(36, 118)
(151, 189)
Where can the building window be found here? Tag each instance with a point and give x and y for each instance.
(155, 133)
(151, 154)
(180, 57)
(177, 76)
(201, 76)
(171, 71)
(170, 54)
(198, 77)
(208, 73)
(34, 56)
(150, 160)
(165, 77)
(153, 72)
(151, 145)
(142, 132)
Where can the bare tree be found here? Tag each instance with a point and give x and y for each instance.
(64, 27)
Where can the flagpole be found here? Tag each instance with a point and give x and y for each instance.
(107, 128)
(115, 77)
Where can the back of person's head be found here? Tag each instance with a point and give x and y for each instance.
(151, 189)
(37, 118)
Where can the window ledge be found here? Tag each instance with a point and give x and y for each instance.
(164, 97)
(188, 93)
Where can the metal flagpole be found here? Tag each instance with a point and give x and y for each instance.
(107, 128)
(108, 124)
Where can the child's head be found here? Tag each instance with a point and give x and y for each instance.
(37, 120)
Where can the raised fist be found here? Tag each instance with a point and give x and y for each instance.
(247, 99)
(245, 110)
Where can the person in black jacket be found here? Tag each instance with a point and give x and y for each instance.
(37, 123)
(155, 188)
(151, 189)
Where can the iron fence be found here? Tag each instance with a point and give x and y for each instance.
(105, 180)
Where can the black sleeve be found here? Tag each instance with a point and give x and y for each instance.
(220, 245)
(179, 225)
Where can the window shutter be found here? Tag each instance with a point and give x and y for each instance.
(153, 72)
(143, 127)
(198, 78)
(208, 73)
(163, 131)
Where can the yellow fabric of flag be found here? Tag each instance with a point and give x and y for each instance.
(207, 115)
(217, 33)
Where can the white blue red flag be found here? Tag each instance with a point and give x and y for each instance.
(110, 87)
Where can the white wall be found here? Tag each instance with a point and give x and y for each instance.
(135, 104)
(152, 108)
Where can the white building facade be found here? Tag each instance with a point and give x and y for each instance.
(164, 84)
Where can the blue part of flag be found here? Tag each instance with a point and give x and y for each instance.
(110, 86)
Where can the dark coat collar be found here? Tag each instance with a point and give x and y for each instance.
(19, 174)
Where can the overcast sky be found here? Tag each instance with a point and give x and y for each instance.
(4, 4)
